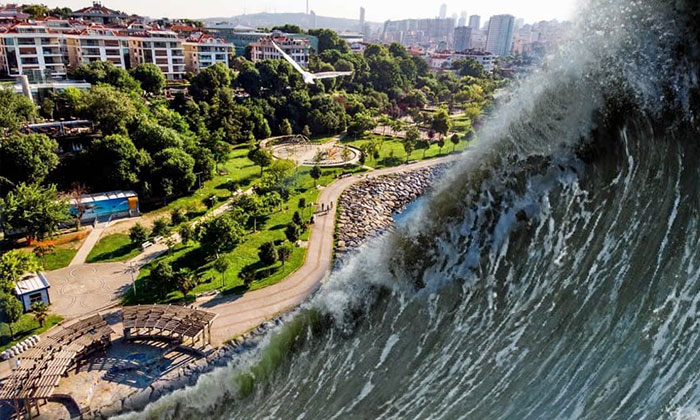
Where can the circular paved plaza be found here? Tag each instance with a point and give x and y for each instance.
(83, 289)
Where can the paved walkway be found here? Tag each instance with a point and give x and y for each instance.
(238, 314)
(88, 244)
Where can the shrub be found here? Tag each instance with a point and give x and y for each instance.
(268, 253)
(138, 234)
(160, 227)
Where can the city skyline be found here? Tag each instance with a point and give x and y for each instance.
(375, 12)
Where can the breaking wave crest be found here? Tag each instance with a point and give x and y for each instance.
(554, 273)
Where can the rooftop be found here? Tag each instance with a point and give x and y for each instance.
(31, 283)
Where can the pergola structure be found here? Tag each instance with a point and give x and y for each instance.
(41, 367)
(186, 326)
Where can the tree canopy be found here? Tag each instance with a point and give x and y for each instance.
(34, 210)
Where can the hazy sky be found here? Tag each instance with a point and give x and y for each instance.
(376, 10)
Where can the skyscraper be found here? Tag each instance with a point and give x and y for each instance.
(500, 35)
(443, 11)
(462, 19)
(475, 22)
(463, 36)
(362, 19)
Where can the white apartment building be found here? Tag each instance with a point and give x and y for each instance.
(298, 49)
(27, 49)
(97, 43)
(162, 48)
(484, 58)
(203, 50)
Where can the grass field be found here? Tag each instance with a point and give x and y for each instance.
(238, 169)
(245, 255)
(26, 326)
(61, 257)
(391, 152)
(112, 248)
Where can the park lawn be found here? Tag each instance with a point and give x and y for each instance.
(61, 257)
(113, 248)
(26, 326)
(391, 152)
(238, 168)
(245, 255)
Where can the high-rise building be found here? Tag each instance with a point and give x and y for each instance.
(312, 23)
(475, 22)
(362, 19)
(462, 38)
(443, 11)
(462, 19)
(500, 35)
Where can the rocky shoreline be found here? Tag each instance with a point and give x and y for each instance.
(365, 211)
(366, 208)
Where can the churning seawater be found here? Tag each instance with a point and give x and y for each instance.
(555, 274)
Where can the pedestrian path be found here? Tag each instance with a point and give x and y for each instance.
(89, 243)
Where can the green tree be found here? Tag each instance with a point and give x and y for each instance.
(409, 142)
(34, 210)
(186, 233)
(284, 251)
(15, 110)
(116, 163)
(441, 122)
(13, 265)
(361, 123)
(469, 67)
(292, 232)
(174, 170)
(35, 11)
(285, 127)
(329, 40)
(27, 158)
(108, 108)
(150, 76)
(222, 233)
(260, 157)
(268, 253)
(138, 234)
(11, 309)
(441, 144)
(221, 265)
(104, 72)
(160, 227)
(161, 278)
(41, 312)
(455, 141)
(205, 85)
(423, 145)
(296, 218)
(315, 173)
(247, 275)
(252, 205)
(306, 132)
(302, 205)
(177, 216)
(185, 281)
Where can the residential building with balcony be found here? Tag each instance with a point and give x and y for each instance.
(299, 49)
(97, 43)
(31, 50)
(203, 50)
(162, 48)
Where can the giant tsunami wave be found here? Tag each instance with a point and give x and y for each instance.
(555, 273)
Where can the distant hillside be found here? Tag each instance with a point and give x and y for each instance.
(268, 20)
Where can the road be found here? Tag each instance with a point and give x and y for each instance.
(238, 314)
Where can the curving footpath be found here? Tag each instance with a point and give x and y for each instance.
(238, 314)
